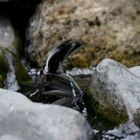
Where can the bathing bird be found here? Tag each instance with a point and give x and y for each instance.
(56, 86)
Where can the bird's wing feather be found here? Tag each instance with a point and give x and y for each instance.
(59, 93)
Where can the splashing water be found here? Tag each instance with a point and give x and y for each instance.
(78, 72)
(11, 82)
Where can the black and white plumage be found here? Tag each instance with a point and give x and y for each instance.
(55, 82)
(58, 54)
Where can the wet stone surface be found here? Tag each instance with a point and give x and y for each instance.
(22, 119)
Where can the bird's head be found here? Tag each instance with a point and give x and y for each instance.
(58, 54)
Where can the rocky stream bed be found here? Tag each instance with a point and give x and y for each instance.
(107, 68)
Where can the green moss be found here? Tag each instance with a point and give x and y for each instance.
(109, 114)
(3, 70)
(3, 66)
(119, 57)
(1, 81)
(81, 58)
(95, 54)
(17, 43)
(125, 58)
(21, 73)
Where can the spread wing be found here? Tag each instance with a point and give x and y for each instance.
(57, 85)
(58, 54)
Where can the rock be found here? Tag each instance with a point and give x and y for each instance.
(3, 69)
(107, 27)
(1, 81)
(10, 63)
(25, 120)
(115, 91)
(9, 137)
(135, 70)
(127, 131)
(7, 35)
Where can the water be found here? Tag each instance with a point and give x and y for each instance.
(11, 82)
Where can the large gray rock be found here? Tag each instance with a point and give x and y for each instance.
(116, 90)
(7, 45)
(108, 28)
(20, 119)
(9, 137)
(127, 131)
(12, 70)
(7, 35)
(135, 70)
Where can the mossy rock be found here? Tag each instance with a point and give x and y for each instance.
(107, 113)
(112, 32)
(1, 81)
(128, 59)
(94, 54)
(22, 75)
(108, 116)
(4, 68)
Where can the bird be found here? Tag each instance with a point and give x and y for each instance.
(56, 86)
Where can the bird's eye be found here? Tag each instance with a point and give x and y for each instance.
(73, 44)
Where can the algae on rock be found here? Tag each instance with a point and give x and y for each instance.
(107, 28)
(106, 112)
(22, 75)
(115, 91)
(3, 69)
